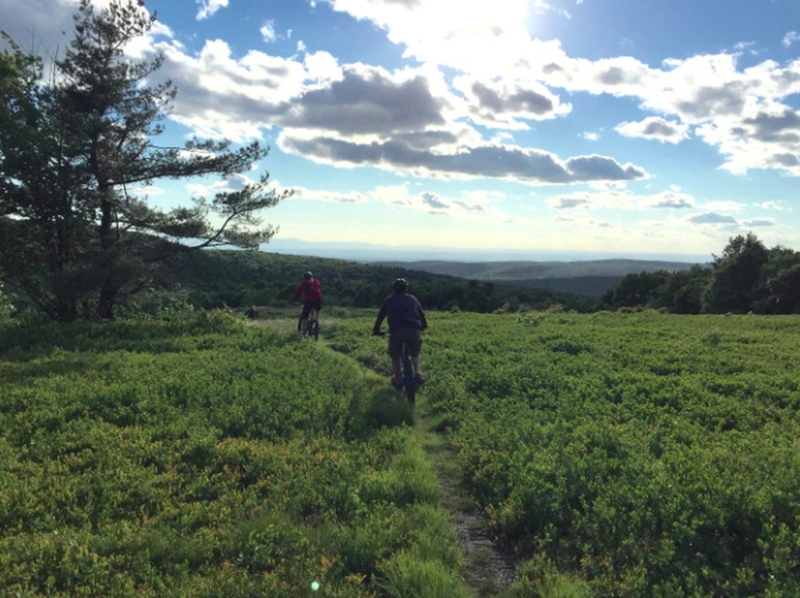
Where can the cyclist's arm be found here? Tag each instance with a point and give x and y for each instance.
(298, 293)
(379, 320)
(423, 322)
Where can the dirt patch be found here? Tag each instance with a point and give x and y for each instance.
(487, 568)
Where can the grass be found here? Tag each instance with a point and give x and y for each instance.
(203, 457)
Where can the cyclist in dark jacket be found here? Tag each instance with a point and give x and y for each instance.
(406, 322)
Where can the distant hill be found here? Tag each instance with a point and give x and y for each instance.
(213, 278)
(526, 270)
(375, 253)
(592, 278)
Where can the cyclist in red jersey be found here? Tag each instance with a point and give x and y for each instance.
(312, 296)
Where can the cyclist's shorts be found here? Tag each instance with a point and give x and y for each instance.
(412, 337)
(309, 305)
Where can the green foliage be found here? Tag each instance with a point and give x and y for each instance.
(736, 282)
(195, 456)
(6, 308)
(645, 454)
(74, 235)
(746, 277)
(638, 289)
(539, 578)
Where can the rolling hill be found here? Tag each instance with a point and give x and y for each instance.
(591, 278)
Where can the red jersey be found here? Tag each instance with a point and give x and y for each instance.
(310, 290)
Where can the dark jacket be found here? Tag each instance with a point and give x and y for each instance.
(402, 311)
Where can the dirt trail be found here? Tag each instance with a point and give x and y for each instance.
(487, 568)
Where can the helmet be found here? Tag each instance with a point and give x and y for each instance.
(307, 276)
(400, 285)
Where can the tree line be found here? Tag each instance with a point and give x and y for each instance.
(210, 279)
(746, 277)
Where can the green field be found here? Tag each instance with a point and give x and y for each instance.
(648, 454)
(636, 454)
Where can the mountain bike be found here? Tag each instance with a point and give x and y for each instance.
(309, 326)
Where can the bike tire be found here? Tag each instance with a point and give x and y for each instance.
(409, 384)
(303, 326)
(314, 329)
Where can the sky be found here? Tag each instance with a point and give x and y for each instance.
(617, 126)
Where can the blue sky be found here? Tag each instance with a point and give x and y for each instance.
(630, 126)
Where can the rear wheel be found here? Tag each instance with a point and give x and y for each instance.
(409, 384)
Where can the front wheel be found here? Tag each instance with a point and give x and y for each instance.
(313, 329)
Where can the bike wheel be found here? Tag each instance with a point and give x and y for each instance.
(313, 329)
(303, 326)
(409, 384)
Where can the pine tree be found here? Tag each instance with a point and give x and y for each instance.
(71, 236)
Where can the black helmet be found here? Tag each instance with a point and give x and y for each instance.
(307, 276)
(400, 285)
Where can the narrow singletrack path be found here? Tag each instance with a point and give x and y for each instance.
(487, 569)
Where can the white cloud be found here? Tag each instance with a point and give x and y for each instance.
(477, 206)
(732, 207)
(727, 104)
(654, 127)
(672, 199)
(322, 66)
(268, 32)
(329, 196)
(711, 218)
(508, 104)
(209, 7)
(790, 38)
(622, 199)
(233, 183)
(759, 223)
(588, 200)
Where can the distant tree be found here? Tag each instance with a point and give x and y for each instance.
(6, 308)
(71, 236)
(782, 275)
(736, 281)
(638, 289)
(682, 291)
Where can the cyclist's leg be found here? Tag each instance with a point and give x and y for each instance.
(316, 307)
(414, 343)
(395, 346)
(396, 367)
(416, 364)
